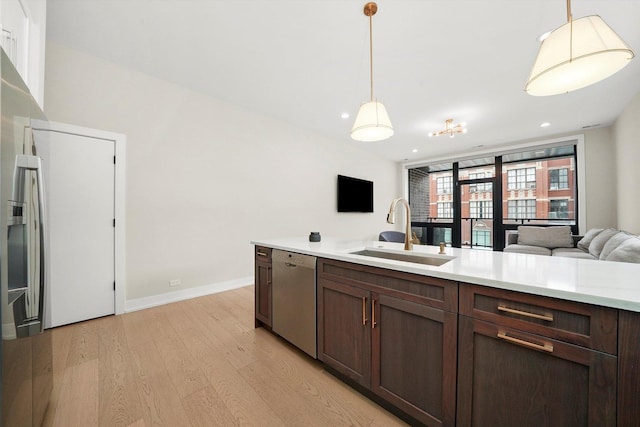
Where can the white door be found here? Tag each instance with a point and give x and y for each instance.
(80, 187)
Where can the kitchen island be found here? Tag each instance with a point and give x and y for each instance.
(486, 338)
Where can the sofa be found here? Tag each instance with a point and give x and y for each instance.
(597, 243)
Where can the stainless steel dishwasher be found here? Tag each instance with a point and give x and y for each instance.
(294, 299)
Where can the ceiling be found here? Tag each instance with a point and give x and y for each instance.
(307, 62)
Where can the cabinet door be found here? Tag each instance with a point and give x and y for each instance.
(344, 330)
(15, 35)
(263, 293)
(510, 378)
(414, 359)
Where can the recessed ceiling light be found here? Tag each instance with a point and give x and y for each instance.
(415, 150)
(345, 115)
(545, 124)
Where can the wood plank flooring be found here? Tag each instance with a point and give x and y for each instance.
(198, 362)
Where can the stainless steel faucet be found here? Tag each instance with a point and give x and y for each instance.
(391, 218)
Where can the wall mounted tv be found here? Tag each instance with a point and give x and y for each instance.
(354, 195)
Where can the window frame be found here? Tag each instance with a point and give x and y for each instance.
(442, 208)
(480, 207)
(565, 211)
(520, 208)
(444, 184)
(521, 178)
(561, 182)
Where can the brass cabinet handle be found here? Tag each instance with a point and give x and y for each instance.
(543, 347)
(373, 314)
(364, 311)
(259, 253)
(547, 317)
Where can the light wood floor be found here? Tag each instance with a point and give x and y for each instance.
(195, 363)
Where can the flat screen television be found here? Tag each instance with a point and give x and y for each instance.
(354, 195)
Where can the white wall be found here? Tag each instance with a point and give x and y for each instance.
(205, 177)
(626, 134)
(600, 183)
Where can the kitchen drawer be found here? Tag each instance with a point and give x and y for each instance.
(577, 323)
(430, 291)
(263, 254)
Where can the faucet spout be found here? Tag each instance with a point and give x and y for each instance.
(408, 244)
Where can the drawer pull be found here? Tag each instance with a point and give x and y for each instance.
(364, 311)
(543, 347)
(259, 253)
(547, 317)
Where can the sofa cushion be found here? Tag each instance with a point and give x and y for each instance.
(528, 249)
(572, 253)
(613, 243)
(588, 237)
(627, 251)
(546, 237)
(598, 242)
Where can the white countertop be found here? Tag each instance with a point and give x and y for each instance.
(605, 283)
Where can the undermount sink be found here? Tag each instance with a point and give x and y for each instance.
(435, 260)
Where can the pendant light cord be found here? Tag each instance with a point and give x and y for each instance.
(570, 21)
(371, 52)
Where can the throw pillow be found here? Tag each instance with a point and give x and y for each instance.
(613, 243)
(600, 240)
(588, 237)
(547, 237)
(628, 251)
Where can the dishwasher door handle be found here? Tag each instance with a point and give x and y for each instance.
(288, 264)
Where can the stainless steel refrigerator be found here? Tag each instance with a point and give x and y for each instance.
(26, 348)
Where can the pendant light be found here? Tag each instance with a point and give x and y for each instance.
(372, 122)
(578, 54)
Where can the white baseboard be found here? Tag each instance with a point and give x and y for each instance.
(9, 331)
(169, 297)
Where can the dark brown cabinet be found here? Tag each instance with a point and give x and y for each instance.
(262, 286)
(628, 368)
(413, 358)
(344, 331)
(399, 345)
(449, 353)
(534, 361)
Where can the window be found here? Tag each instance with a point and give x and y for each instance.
(518, 179)
(473, 188)
(441, 235)
(538, 187)
(443, 185)
(482, 238)
(481, 209)
(521, 209)
(559, 209)
(558, 179)
(445, 210)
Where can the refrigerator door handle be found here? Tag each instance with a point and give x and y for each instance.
(33, 323)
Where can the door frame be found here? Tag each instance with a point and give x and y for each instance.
(119, 142)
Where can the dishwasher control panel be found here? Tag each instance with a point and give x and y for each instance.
(294, 258)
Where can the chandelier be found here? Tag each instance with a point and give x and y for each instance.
(450, 129)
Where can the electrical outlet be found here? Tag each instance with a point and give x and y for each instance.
(174, 282)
